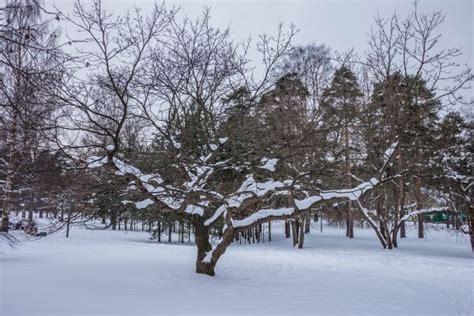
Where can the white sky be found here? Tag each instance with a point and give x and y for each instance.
(339, 24)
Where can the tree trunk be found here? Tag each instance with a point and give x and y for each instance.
(301, 233)
(207, 265)
(287, 228)
(4, 225)
(403, 233)
(307, 224)
(470, 225)
(321, 223)
(7, 189)
(394, 237)
(350, 217)
(350, 221)
(421, 233)
(472, 240)
(170, 231)
(189, 232)
(270, 231)
(68, 224)
(419, 206)
(201, 236)
(159, 231)
(294, 231)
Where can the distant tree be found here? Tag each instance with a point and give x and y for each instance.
(340, 109)
(312, 65)
(30, 65)
(452, 168)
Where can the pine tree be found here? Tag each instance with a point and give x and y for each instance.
(452, 165)
(402, 109)
(341, 107)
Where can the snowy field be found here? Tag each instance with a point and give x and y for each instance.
(123, 273)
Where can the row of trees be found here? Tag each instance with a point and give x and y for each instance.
(166, 117)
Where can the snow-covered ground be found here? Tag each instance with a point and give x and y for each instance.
(123, 273)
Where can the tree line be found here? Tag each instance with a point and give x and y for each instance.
(164, 120)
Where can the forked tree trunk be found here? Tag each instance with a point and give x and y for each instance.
(394, 237)
(387, 235)
(201, 236)
(206, 265)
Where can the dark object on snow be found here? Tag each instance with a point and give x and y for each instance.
(21, 224)
(31, 229)
(41, 234)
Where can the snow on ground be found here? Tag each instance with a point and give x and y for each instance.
(123, 273)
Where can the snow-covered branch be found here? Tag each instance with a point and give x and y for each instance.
(423, 211)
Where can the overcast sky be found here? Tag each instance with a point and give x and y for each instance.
(341, 24)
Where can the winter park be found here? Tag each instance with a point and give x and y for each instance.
(236, 157)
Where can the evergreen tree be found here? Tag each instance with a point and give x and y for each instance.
(402, 109)
(340, 108)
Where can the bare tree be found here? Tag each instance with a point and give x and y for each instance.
(30, 63)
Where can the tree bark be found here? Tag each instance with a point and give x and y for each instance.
(307, 224)
(403, 233)
(204, 246)
(419, 206)
(68, 224)
(270, 231)
(287, 228)
(350, 217)
(201, 236)
(294, 231)
(350, 221)
(170, 231)
(301, 233)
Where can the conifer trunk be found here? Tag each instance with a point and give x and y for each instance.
(419, 206)
(287, 228)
